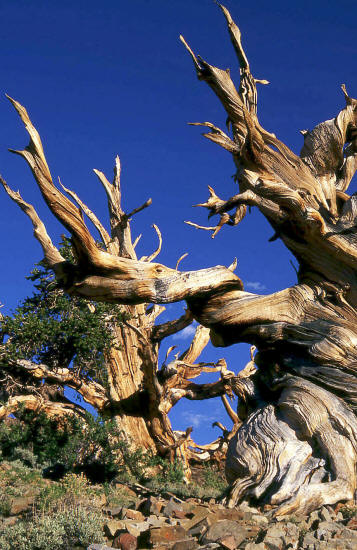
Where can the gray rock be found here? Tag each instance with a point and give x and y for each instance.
(155, 521)
(325, 514)
(348, 534)
(186, 544)
(111, 527)
(20, 504)
(113, 511)
(309, 541)
(313, 518)
(274, 543)
(150, 506)
(224, 528)
(99, 547)
(200, 527)
(274, 537)
(171, 507)
(275, 531)
(327, 529)
(244, 506)
(258, 519)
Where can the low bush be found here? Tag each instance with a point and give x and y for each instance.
(91, 447)
(59, 531)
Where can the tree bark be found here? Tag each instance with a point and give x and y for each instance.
(296, 447)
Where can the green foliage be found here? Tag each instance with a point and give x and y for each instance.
(14, 475)
(214, 479)
(58, 330)
(59, 531)
(348, 512)
(138, 462)
(40, 441)
(5, 506)
(70, 491)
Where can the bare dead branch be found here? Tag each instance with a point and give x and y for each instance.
(218, 136)
(137, 240)
(169, 328)
(158, 250)
(180, 260)
(198, 343)
(91, 391)
(93, 218)
(52, 255)
(139, 208)
(212, 228)
(38, 405)
(153, 312)
(232, 415)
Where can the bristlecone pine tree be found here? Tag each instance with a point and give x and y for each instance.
(109, 355)
(297, 446)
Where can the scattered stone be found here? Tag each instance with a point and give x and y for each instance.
(229, 543)
(171, 508)
(128, 513)
(125, 541)
(225, 528)
(150, 506)
(352, 523)
(233, 514)
(200, 528)
(186, 544)
(254, 546)
(132, 529)
(313, 519)
(112, 526)
(99, 547)
(244, 506)
(20, 504)
(327, 529)
(348, 535)
(165, 534)
(309, 541)
(258, 519)
(274, 537)
(155, 521)
(112, 511)
(325, 514)
(197, 518)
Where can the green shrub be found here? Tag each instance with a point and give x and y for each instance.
(5, 506)
(348, 512)
(91, 446)
(60, 531)
(214, 479)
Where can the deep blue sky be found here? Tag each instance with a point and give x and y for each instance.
(112, 77)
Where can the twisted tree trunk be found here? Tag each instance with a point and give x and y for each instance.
(297, 445)
(136, 393)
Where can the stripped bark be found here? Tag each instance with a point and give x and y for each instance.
(296, 447)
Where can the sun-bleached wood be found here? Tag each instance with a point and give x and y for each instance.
(296, 445)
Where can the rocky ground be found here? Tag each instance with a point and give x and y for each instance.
(130, 516)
